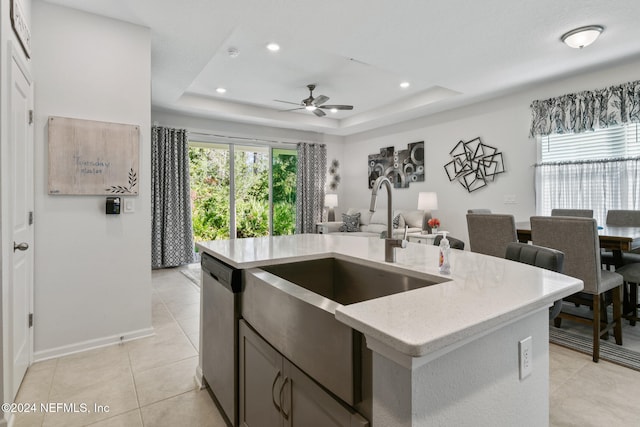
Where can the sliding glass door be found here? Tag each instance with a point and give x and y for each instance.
(284, 165)
(242, 190)
(209, 171)
(251, 191)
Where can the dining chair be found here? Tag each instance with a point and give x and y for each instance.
(453, 242)
(621, 218)
(582, 213)
(489, 234)
(578, 239)
(479, 211)
(539, 256)
(631, 275)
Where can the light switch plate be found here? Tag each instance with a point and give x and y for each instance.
(129, 205)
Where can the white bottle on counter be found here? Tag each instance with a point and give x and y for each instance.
(443, 260)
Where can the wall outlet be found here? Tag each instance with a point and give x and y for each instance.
(525, 349)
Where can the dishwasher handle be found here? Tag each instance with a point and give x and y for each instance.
(224, 274)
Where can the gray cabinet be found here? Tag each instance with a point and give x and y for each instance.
(274, 392)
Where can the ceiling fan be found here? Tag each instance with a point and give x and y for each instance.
(315, 104)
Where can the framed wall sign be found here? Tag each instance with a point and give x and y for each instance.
(93, 158)
(20, 27)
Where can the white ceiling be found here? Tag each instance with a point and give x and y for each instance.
(358, 51)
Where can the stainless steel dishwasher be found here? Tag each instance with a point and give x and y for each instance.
(221, 287)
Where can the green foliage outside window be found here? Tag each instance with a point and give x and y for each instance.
(285, 163)
(210, 186)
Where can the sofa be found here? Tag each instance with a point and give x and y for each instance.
(362, 222)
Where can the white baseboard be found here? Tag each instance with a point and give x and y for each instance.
(66, 350)
(199, 379)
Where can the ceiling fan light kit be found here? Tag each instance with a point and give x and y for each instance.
(316, 105)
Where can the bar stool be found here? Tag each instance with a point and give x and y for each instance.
(631, 275)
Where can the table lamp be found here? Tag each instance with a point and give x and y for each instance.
(331, 201)
(428, 202)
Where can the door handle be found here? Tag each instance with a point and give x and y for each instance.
(284, 384)
(20, 246)
(273, 386)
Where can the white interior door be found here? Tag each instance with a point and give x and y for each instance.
(20, 216)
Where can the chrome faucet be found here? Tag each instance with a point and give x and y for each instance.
(389, 242)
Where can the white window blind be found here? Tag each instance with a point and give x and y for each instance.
(613, 142)
(597, 170)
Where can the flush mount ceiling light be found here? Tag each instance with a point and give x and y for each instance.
(273, 47)
(581, 37)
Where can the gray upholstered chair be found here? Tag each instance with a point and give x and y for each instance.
(479, 211)
(539, 256)
(578, 239)
(631, 270)
(622, 218)
(453, 242)
(631, 275)
(582, 213)
(489, 234)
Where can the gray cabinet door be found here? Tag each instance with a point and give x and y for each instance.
(274, 392)
(261, 379)
(306, 404)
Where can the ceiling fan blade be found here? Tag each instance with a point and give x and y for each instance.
(337, 107)
(318, 112)
(287, 102)
(320, 100)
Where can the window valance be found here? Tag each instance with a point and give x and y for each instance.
(587, 110)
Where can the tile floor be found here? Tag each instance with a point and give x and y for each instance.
(150, 382)
(147, 382)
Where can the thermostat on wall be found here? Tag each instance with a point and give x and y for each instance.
(113, 205)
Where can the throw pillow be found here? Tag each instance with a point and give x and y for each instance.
(396, 221)
(351, 222)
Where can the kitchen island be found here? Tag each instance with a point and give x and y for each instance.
(445, 354)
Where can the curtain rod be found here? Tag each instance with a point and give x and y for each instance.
(585, 162)
(240, 138)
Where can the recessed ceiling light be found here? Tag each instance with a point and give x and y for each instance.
(221, 90)
(334, 110)
(273, 47)
(581, 37)
(404, 85)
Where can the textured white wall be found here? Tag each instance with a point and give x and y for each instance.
(502, 123)
(92, 271)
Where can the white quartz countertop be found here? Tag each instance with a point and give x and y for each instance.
(481, 293)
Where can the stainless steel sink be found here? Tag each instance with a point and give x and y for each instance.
(346, 282)
(293, 307)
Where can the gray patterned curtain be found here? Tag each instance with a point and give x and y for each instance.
(312, 170)
(171, 229)
(588, 110)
